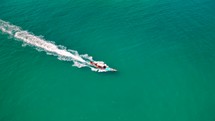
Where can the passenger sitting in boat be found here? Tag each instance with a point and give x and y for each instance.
(98, 65)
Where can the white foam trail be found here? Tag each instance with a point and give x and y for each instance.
(43, 45)
(38, 42)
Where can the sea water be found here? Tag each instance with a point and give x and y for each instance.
(164, 52)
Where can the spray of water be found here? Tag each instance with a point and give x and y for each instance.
(48, 46)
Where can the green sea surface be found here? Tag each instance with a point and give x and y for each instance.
(164, 52)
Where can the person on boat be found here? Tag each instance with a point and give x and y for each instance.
(98, 65)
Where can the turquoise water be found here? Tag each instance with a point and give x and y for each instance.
(164, 51)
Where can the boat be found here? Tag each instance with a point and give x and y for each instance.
(101, 66)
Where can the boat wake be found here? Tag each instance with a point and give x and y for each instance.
(49, 47)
